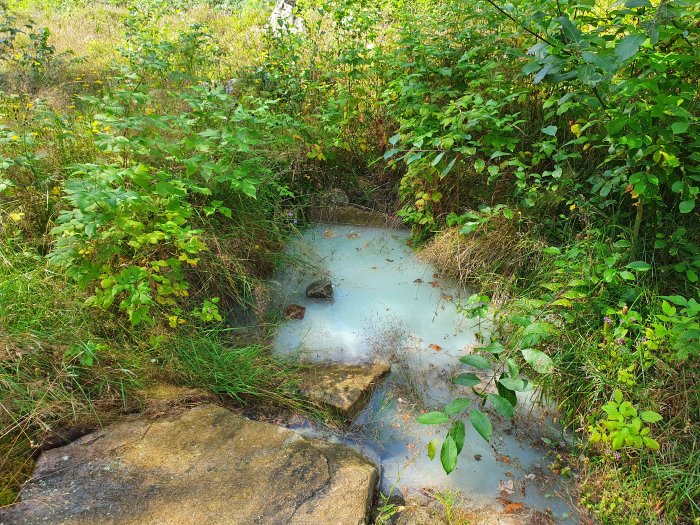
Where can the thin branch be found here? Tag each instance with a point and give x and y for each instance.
(519, 24)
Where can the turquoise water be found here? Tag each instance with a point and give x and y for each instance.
(390, 306)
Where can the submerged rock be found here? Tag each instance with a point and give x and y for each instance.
(343, 388)
(206, 465)
(320, 289)
(295, 311)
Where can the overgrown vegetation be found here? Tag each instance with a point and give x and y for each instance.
(545, 153)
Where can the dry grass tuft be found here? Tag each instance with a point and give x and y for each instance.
(490, 258)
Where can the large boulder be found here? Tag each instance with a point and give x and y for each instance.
(342, 388)
(206, 465)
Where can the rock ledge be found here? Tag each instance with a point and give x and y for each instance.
(205, 465)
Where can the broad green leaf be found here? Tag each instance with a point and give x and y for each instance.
(432, 448)
(675, 299)
(617, 395)
(651, 444)
(650, 416)
(538, 360)
(638, 266)
(513, 368)
(680, 127)
(617, 441)
(506, 393)
(449, 167)
(438, 158)
(390, 153)
(457, 405)
(628, 47)
(469, 227)
(433, 418)
(481, 423)
(687, 206)
(494, 347)
(572, 33)
(468, 379)
(627, 410)
(448, 454)
(476, 361)
(630, 4)
(502, 405)
(458, 433)
(516, 384)
(550, 130)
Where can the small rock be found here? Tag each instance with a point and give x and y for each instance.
(295, 311)
(343, 388)
(477, 457)
(320, 289)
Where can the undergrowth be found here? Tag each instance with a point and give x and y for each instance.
(543, 153)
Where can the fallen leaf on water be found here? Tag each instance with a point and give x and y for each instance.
(435, 347)
(390, 260)
(328, 234)
(419, 281)
(446, 297)
(511, 507)
(506, 487)
(435, 284)
(352, 235)
(436, 276)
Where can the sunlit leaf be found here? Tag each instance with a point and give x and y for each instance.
(448, 454)
(476, 361)
(502, 405)
(433, 418)
(481, 423)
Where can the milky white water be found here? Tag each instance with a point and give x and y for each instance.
(389, 306)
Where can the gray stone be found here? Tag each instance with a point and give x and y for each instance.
(343, 388)
(205, 465)
(320, 289)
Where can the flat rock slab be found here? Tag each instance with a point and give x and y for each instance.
(343, 388)
(204, 466)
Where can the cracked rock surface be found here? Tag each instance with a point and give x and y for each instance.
(205, 465)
